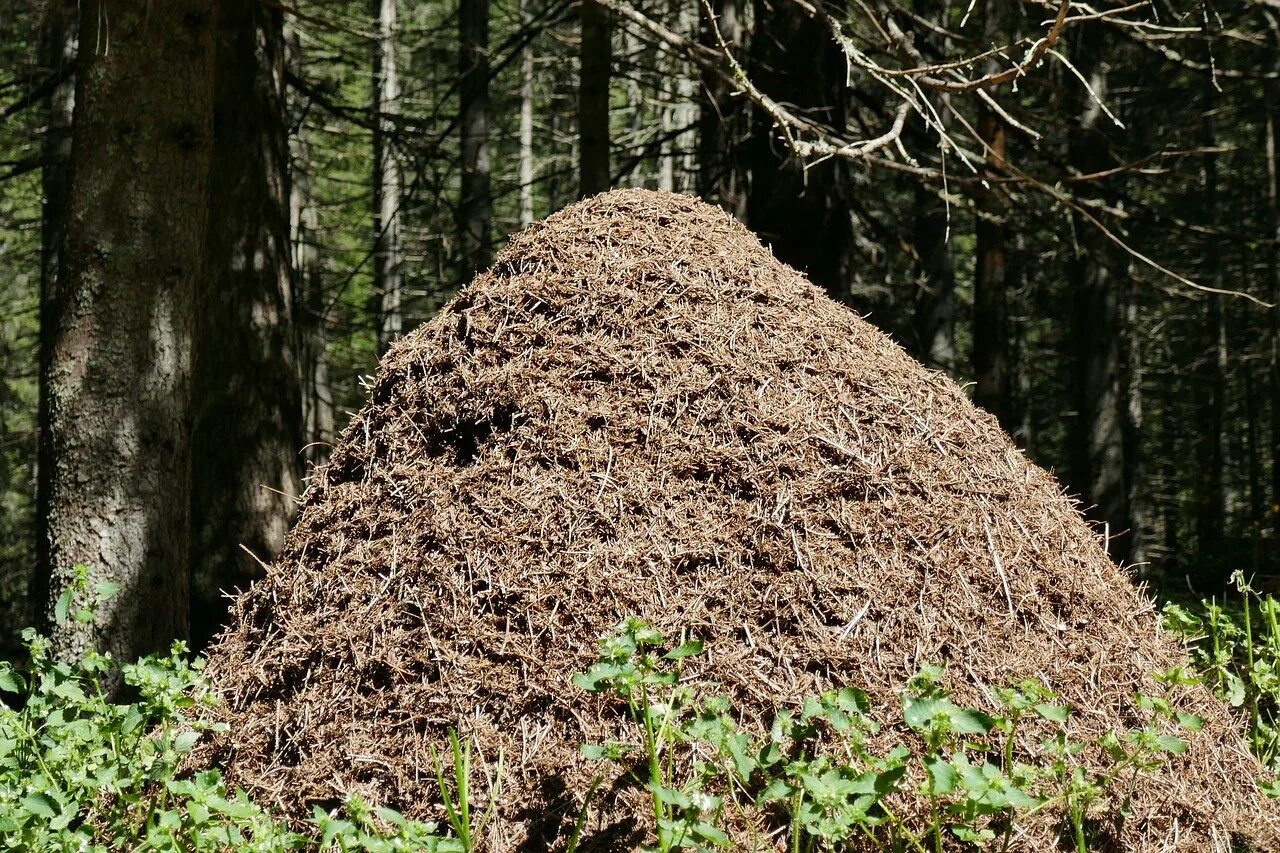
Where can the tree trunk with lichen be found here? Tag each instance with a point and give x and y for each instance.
(475, 210)
(119, 372)
(800, 210)
(248, 431)
(387, 299)
(58, 46)
(723, 120)
(595, 61)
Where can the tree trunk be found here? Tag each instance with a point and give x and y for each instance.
(801, 213)
(58, 52)
(311, 317)
(1106, 399)
(1134, 551)
(1273, 286)
(933, 314)
(120, 367)
(311, 301)
(724, 118)
(387, 297)
(1211, 495)
(595, 66)
(476, 210)
(935, 308)
(684, 112)
(990, 356)
(248, 410)
(526, 123)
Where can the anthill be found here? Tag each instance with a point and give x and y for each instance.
(640, 411)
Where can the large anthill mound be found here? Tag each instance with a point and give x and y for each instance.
(639, 411)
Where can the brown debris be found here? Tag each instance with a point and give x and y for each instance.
(639, 411)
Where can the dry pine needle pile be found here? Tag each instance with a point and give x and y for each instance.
(640, 411)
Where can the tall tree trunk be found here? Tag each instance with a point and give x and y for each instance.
(935, 308)
(526, 122)
(1211, 507)
(595, 66)
(57, 52)
(800, 210)
(990, 358)
(387, 294)
(310, 299)
(723, 118)
(120, 367)
(311, 317)
(57, 56)
(1134, 551)
(990, 355)
(684, 112)
(1104, 395)
(1253, 451)
(1273, 284)
(248, 409)
(476, 209)
(933, 315)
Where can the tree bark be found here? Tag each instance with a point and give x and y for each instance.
(990, 356)
(595, 60)
(801, 213)
(311, 301)
(526, 123)
(1211, 501)
(387, 307)
(312, 320)
(120, 368)
(248, 412)
(475, 212)
(58, 47)
(723, 119)
(1134, 550)
(932, 332)
(1273, 284)
(1107, 397)
(935, 308)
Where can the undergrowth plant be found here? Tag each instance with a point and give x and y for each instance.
(81, 772)
(1236, 647)
(816, 773)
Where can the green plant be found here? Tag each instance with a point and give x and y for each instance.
(1236, 646)
(81, 772)
(631, 666)
(457, 805)
(816, 770)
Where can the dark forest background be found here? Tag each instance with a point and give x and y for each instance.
(215, 214)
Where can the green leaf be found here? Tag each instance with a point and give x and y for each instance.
(854, 700)
(106, 589)
(919, 712)
(684, 650)
(10, 681)
(1235, 692)
(62, 607)
(1169, 743)
(777, 789)
(709, 832)
(942, 775)
(1053, 713)
(184, 742)
(969, 721)
(41, 804)
(669, 796)
(1190, 722)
